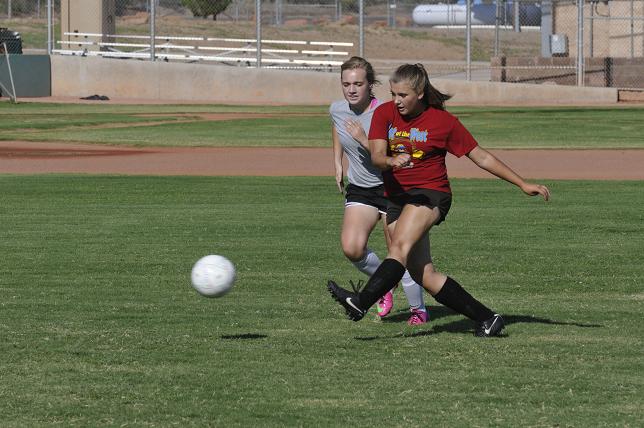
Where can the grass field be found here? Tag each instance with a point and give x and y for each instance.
(572, 128)
(100, 326)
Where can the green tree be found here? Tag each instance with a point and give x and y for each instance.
(206, 8)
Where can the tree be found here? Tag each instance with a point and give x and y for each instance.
(206, 8)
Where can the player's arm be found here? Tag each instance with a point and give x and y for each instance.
(379, 158)
(487, 161)
(337, 159)
(380, 124)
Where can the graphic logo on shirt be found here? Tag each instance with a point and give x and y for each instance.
(406, 142)
(416, 135)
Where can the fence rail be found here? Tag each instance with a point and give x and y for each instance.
(91, 44)
(507, 35)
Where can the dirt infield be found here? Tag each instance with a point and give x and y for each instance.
(41, 158)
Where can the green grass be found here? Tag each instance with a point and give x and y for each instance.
(33, 31)
(100, 326)
(568, 128)
(46, 122)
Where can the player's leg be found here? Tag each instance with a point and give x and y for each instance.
(359, 224)
(413, 291)
(413, 223)
(359, 220)
(449, 292)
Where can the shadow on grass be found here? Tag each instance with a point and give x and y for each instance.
(244, 336)
(515, 319)
(435, 312)
(463, 325)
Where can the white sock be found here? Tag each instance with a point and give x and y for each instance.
(369, 263)
(414, 293)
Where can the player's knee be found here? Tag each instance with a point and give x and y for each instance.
(353, 252)
(421, 273)
(416, 275)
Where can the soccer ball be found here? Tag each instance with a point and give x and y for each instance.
(213, 276)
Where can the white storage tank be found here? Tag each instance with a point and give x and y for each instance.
(453, 14)
(482, 14)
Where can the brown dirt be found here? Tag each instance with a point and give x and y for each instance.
(38, 158)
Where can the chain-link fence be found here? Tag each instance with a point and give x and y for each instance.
(500, 40)
(599, 44)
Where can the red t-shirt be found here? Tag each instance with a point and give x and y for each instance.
(427, 138)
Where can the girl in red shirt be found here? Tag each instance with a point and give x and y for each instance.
(409, 139)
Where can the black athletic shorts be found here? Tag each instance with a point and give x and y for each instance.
(427, 197)
(370, 196)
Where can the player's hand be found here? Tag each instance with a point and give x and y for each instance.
(536, 189)
(339, 181)
(355, 129)
(403, 160)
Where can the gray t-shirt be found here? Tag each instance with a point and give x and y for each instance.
(361, 171)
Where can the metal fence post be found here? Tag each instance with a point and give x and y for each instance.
(580, 43)
(468, 39)
(50, 17)
(153, 32)
(591, 32)
(391, 13)
(632, 30)
(9, 9)
(258, 31)
(497, 22)
(361, 26)
(546, 28)
(278, 12)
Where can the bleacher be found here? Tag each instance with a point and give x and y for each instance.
(231, 51)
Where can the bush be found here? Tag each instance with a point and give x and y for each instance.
(205, 8)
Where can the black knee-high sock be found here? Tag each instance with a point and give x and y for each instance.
(383, 279)
(455, 297)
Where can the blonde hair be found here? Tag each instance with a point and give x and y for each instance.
(416, 76)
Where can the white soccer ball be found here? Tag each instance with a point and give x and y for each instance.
(213, 276)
